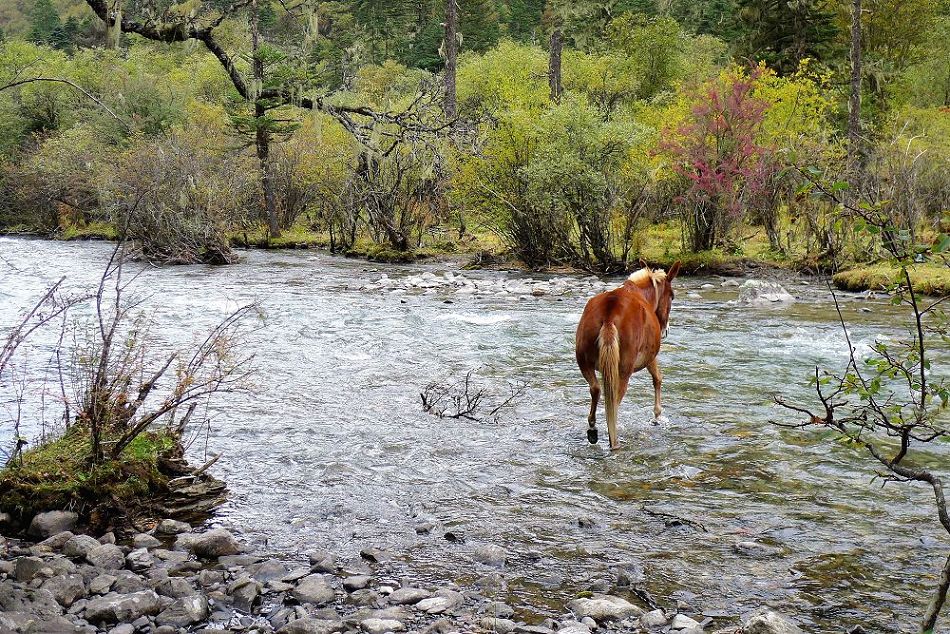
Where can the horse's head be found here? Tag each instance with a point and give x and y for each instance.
(664, 295)
(657, 286)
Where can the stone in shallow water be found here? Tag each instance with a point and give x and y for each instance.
(375, 555)
(604, 608)
(653, 619)
(172, 527)
(314, 589)
(443, 601)
(269, 570)
(408, 596)
(770, 623)
(573, 627)
(491, 555)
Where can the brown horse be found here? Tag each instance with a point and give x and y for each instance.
(619, 334)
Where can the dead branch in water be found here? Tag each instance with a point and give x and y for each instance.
(466, 398)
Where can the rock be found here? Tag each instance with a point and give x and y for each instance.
(172, 527)
(763, 293)
(629, 574)
(144, 540)
(755, 549)
(65, 589)
(122, 608)
(494, 624)
(270, 570)
(770, 623)
(573, 627)
(443, 601)
(214, 543)
(375, 555)
(654, 619)
(683, 622)
(101, 584)
(127, 582)
(245, 592)
(139, 559)
(108, 538)
(491, 555)
(210, 577)
(381, 626)
(25, 569)
(38, 603)
(604, 607)
(499, 610)
(123, 629)
(52, 522)
(56, 541)
(356, 582)
(79, 546)
(408, 596)
(175, 588)
(365, 597)
(312, 626)
(184, 611)
(314, 589)
(106, 556)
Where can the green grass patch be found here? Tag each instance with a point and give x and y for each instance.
(928, 278)
(90, 231)
(59, 475)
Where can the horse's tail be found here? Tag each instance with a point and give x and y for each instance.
(609, 360)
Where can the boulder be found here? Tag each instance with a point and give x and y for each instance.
(139, 559)
(214, 543)
(144, 540)
(79, 546)
(101, 584)
(106, 556)
(763, 293)
(25, 569)
(443, 601)
(184, 611)
(381, 626)
(51, 522)
(770, 623)
(495, 624)
(270, 570)
(39, 603)
(55, 542)
(654, 619)
(172, 527)
(573, 627)
(312, 626)
(314, 589)
(604, 607)
(356, 582)
(175, 588)
(122, 608)
(491, 555)
(683, 622)
(408, 596)
(66, 589)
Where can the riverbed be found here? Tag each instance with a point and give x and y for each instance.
(714, 506)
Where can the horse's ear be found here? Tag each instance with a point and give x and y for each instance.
(673, 271)
(643, 264)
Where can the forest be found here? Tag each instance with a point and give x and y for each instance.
(552, 134)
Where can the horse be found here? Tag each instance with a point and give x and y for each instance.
(619, 334)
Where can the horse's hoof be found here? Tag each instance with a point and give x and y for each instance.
(592, 435)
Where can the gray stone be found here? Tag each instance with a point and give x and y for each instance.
(144, 540)
(55, 542)
(573, 627)
(269, 570)
(125, 628)
(604, 607)
(184, 611)
(175, 588)
(52, 522)
(127, 582)
(312, 626)
(165, 629)
(210, 577)
(101, 584)
(79, 545)
(139, 559)
(443, 601)
(244, 591)
(494, 624)
(499, 609)
(172, 527)
(375, 555)
(108, 538)
(322, 561)
(755, 549)
(365, 597)
(654, 619)
(122, 608)
(770, 623)
(356, 582)
(381, 626)
(491, 555)
(314, 589)
(36, 602)
(215, 543)
(408, 596)
(106, 556)
(683, 622)
(25, 569)
(66, 589)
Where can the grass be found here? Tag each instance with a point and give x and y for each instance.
(90, 231)
(59, 475)
(661, 244)
(929, 278)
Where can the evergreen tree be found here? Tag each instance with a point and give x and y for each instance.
(45, 23)
(523, 19)
(782, 33)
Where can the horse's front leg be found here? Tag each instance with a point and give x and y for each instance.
(654, 370)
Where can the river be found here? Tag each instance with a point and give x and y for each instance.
(333, 450)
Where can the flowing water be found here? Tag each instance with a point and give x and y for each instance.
(334, 451)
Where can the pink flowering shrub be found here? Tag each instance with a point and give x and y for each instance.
(717, 152)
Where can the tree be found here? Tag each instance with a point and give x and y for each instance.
(854, 100)
(451, 50)
(45, 25)
(782, 33)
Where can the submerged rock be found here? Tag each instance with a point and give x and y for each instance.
(604, 607)
(770, 623)
(491, 555)
(762, 293)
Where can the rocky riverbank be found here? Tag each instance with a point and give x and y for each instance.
(175, 579)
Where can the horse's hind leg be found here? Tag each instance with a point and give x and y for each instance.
(591, 377)
(657, 375)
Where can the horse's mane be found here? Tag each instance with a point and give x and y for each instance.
(646, 276)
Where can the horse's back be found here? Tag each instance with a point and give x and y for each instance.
(639, 334)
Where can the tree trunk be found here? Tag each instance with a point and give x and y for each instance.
(940, 595)
(854, 102)
(451, 58)
(114, 25)
(554, 64)
(261, 133)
